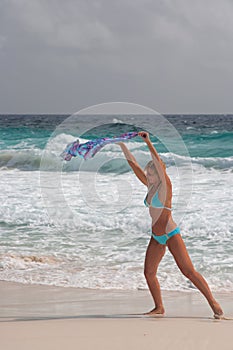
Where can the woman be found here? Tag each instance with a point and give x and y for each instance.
(164, 230)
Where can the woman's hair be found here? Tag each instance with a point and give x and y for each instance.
(151, 165)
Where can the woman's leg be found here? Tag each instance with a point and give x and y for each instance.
(178, 249)
(154, 254)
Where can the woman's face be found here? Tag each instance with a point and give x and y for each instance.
(151, 175)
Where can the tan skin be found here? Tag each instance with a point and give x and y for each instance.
(162, 222)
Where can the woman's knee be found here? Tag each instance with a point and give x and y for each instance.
(189, 272)
(149, 273)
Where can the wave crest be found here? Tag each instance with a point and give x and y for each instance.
(109, 160)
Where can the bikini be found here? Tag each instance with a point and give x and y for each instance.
(156, 203)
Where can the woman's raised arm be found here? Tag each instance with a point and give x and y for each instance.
(133, 163)
(159, 165)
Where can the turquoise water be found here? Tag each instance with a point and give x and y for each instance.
(206, 136)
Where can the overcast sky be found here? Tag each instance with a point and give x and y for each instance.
(57, 56)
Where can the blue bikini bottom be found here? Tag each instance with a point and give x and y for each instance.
(164, 238)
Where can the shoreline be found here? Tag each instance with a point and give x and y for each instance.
(21, 301)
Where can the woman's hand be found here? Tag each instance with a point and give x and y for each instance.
(144, 135)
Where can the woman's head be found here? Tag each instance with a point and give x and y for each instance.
(151, 172)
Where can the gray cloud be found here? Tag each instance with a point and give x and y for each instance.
(174, 56)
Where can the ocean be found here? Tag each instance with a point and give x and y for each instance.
(83, 223)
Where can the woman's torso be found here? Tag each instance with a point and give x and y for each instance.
(162, 221)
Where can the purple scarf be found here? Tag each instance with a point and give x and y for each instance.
(89, 149)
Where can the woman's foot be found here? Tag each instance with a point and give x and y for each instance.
(218, 313)
(156, 312)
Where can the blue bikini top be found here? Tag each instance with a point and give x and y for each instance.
(155, 201)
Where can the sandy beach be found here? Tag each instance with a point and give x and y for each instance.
(45, 317)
